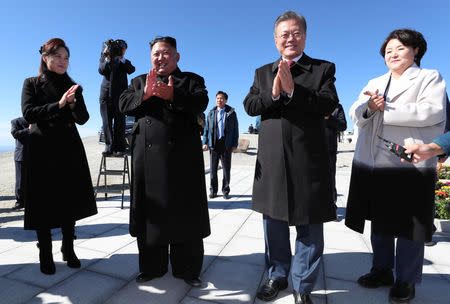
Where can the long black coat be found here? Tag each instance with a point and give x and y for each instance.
(292, 176)
(168, 191)
(57, 183)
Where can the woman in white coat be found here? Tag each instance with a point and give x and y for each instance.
(405, 106)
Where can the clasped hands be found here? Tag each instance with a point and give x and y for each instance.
(153, 87)
(375, 102)
(283, 80)
(68, 97)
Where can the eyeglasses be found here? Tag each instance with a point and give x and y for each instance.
(295, 34)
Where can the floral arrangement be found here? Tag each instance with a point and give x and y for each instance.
(444, 172)
(442, 197)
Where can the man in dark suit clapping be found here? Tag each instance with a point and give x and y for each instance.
(292, 185)
(20, 131)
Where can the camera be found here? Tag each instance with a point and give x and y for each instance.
(114, 48)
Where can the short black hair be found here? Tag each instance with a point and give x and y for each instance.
(122, 43)
(407, 37)
(288, 16)
(223, 93)
(170, 40)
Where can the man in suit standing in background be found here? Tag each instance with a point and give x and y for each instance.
(335, 123)
(20, 130)
(114, 68)
(221, 135)
(292, 185)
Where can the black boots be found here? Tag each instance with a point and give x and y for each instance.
(45, 251)
(68, 235)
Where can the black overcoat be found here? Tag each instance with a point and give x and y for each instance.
(292, 175)
(57, 183)
(168, 191)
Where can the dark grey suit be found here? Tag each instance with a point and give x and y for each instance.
(19, 130)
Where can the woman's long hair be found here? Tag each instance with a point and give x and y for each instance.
(61, 82)
(50, 48)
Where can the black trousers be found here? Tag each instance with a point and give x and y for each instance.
(220, 152)
(19, 190)
(114, 132)
(186, 258)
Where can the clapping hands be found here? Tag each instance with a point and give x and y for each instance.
(283, 80)
(153, 87)
(69, 97)
(375, 102)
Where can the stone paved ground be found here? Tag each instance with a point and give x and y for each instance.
(234, 253)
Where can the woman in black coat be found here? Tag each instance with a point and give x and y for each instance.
(57, 185)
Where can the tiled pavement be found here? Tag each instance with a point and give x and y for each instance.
(233, 266)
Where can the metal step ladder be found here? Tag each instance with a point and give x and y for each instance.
(113, 172)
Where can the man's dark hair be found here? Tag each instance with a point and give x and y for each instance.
(122, 43)
(170, 40)
(223, 93)
(288, 16)
(410, 38)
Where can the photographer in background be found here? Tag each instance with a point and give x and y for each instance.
(114, 68)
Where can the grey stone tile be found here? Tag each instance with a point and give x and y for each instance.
(345, 265)
(246, 250)
(110, 241)
(256, 216)
(340, 291)
(13, 237)
(164, 290)
(438, 254)
(218, 205)
(434, 291)
(99, 226)
(214, 212)
(102, 212)
(14, 292)
(252, 228)
(229, 282)
(189, 300)
(224, 226)
(85, 287)
(123, 263)
(18, 257)
(211, 253)
(31, 273)
(335, 227)
(443, 270)
(348, 241)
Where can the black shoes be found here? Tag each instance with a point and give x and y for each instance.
(119, 154)
(212, 195)
(18, 206)
(194, 282)
(70, 257)
(113, 153)
(107, 153)
(302, 298)
(226, 196)
(270, 289)
(144, 277)
(402, 292)
(376, 278)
